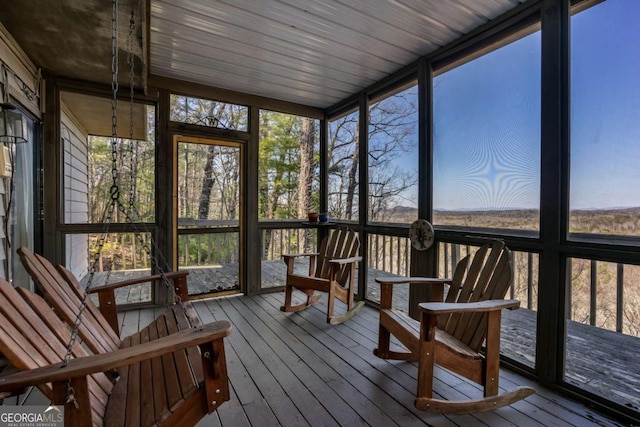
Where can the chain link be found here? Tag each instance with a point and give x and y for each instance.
(114, 191)
(71, 395)
(149, 252)
(131, 59)
(131, 212)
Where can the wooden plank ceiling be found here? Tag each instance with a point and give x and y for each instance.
(311, 52)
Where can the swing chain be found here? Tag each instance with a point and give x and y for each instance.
(109, 209)
(131, 61)
(106, 219)
(71, 395)
(114, 191)
(132, 214)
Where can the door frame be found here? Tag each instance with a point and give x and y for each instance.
(240, 229)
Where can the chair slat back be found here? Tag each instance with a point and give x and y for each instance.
(341, 243)
(488, 277)
(29, 341)
(66, 298)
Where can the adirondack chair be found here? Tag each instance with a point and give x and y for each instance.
(99, 328)
(160, 381)
(451, 333)
(332, 270)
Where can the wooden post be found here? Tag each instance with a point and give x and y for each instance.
(554, 201)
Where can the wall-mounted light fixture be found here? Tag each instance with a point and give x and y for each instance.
(11, 128)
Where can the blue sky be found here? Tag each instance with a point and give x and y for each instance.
(605, 133)
(487, 130)
(487, 119)
(484, 159)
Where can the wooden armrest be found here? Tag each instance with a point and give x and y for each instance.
(481, 306)
(84, 366)
(109, 286)
(386, 287)
(107, 296)
(342, 261)
(412, 280)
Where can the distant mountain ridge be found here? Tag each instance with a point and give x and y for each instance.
(614, 221)
(402, 211)
(408, 210)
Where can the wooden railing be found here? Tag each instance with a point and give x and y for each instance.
(604, 294)
(390, 254)
(208, 249)
(279, 241)
(119, 252)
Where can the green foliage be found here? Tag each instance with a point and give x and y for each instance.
(207, 249)
(133, 163)
(279, 165)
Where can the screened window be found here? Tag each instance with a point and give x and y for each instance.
(89, 155)
(122, 256)
(603, 310)
(603, 324)
(605, 130)
(288, 170)
(205, 112)
(486, 154)
(343, 167)
(393, 157)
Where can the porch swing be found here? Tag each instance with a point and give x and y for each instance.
(172, 371)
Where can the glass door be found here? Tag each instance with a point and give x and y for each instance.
(208, 209)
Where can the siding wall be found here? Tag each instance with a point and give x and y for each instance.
(76, 190)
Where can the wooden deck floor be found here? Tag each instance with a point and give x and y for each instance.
(601, 361)
(295, 370)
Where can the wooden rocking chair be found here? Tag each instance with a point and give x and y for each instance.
(160, 381)
(452, 333)
(332, 270)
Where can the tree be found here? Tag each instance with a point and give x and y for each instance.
(392, 123)
(392, 132)
(307, 170)
(287, 173)
(343, 166)
(134, 174)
